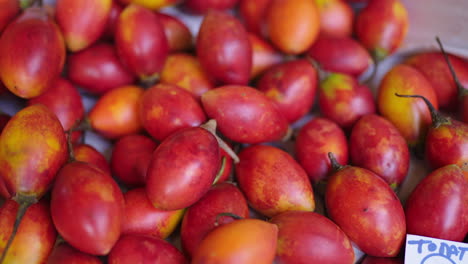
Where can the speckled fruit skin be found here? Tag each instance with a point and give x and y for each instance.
(244, 114)
(314, 140)
(292, 86)
(376, 144)
(36, 234)
(410, 117)
(272, 181)
(28, 70)
(223, 48)
(178, 35)
(182, 168)
(144, 249)
(64, 253)
(308, 237)
(202, 217)
(382, 26)
(336, 18)
(87, 208)
(367, 210)
(436, 207)
(247, 241)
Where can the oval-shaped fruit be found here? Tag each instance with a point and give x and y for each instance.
(247, 241)
(252, 14)
(97, 69)
(272, 181)
(142, 218)
(141, 42)
(87, 208)
(376, 144)
(343, 100)
(244, 114)
(178, 35)
(203, 217)
(182, 168)
(292, 25)
(87, 153)
(437, 206)
(29, 70)
(130, 158)
(10, 9)
(381, 26)
(340, 54)
(151, 4)
(410, 117)
(336, 18)
(116, 113)
(64, 253)
(308, 237)
(203, 6)
(166, 108)
(144, 249)
(33, 147)
(224, 49)
(82, 22)
(314, 140)
(35, 237)
(292, 86)
(264, 55)
(363, 205)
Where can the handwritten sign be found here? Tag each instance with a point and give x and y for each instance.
(428, 250)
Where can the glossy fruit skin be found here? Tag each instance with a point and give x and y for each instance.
(116, 114)
(36, 234)
(264, 55)
(182, 169)
(340, 54)
(292, 25)
(97, 69)
(82, 22)
(434, 67)
(336, 18)
(178, 35)
(141, 42)
(436, 207)
(342, 99)
(87, 153)
(378, 260)
(202, 217)
(314, 140)
(64, 253)
(308, 237)
(142, 218)
(130, 158)
(10, 9)
(410, 117)
(167, 108)
(382, 26)
(252, 14)
(204, 6)
(150, 4)
(244, 114)
(248, 241)
(114, 13)
(185, 71)
(292, 86)
(32, 149)
(376, 144)
(367, 210)
(28, 70)
(272, 181)
(223, 48)
(144, 249)
(87, 208)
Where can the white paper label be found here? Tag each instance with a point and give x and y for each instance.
(428, 250)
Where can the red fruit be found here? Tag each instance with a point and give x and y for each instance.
(314, 140)
(376, 144)
(308, 237)
(82, 22)
(244, 114)
(226, 173)
(87, 208)
(141, 42)
(144, 249)
(224, 49)
(292, 86)
(203, 6)
(340, 54)
(336, 18)
(203, 217)
(97, 69)
(177, 33)
(29, 70)
(64, 253)
(182, 168)
(87, 153)
(130, 158)
(10, 9)
(166, 108)
(436, 207)
(252, 14)
(264, 55)
(114, 13)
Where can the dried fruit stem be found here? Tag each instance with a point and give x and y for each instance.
(437, 118)
(221, 170)
(335, 165)
(461, 89)
(211, 127)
